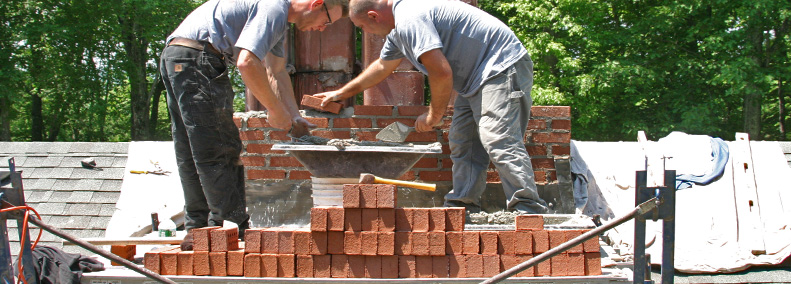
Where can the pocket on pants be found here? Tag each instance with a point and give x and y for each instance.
(202, 111)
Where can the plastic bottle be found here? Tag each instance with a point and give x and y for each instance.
(167, 228)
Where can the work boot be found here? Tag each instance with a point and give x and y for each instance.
(186, 244)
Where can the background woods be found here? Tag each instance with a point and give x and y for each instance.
(85, 70)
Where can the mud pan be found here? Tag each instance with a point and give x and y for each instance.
(325, 161)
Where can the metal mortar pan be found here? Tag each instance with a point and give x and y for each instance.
(325, 161)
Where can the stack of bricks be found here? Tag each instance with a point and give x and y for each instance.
(370, 237)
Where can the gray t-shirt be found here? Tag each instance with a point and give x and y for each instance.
(231, 25)
(476, 44)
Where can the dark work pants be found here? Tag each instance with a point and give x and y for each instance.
(207, 143)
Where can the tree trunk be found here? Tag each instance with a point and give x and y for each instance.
(36, 117)
(5, 123)
(156, 93)
(752, 114)
(135, 45)
(782, 109)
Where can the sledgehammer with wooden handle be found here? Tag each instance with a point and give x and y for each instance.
(371, 179)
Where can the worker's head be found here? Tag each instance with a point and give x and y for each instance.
(372, 16)
(316, 15)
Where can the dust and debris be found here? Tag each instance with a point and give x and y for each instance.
(343, 143)
(495, 218)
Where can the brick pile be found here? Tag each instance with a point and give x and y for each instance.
(370, 237)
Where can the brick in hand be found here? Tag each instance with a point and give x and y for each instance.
(315, 102)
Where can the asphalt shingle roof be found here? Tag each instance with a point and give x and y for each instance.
(79, 201)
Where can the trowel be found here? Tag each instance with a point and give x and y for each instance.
(395, 132)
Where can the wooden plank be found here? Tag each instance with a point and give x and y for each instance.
(131, 241)
(750, 227)
(654, 162)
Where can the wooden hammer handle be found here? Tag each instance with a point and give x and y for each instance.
(418, 185)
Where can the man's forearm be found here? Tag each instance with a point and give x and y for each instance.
(375, 73)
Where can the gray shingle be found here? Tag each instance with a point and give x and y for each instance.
(90, 184)
(70, 222)
(105, 197)
(107, 210)
(119, 162)
(19, 161)
(38, 184)
(87, 233)
(59, 147)
(60, 196)
(37, 195)
(66, 185)
(14, 147)
(84, 209)
(99, 222)
(104, 173)
(33, 162)
(80, 197)
(52, 161)
(51, 208)
(110, 185)
(80, 147)
(63, 173)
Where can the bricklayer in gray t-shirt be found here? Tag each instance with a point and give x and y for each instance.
(256, 25)
(476, 44)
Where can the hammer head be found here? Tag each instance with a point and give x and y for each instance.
(366, 178)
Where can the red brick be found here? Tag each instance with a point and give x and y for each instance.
(454, 243)
(544, 268)
(320, 122)
(457, 266)
(590, 245)
(251, 135)
(529, 222)
(378, 110)
(286, 265)
(373, 267)
(351, 123)
(420, 243)
(318, 219)
(403, 243)
(152, 260)
(491, 265)
(352, 243)
(200, 261)
(571, 234)
(123, 251)
(318, 243)
(386, 243)
(367, 196)
(558, 150)
(592, 263)
(252, 241)
(472, 242)
(236, 262)
(560, 265)
(321, 266)
(269, 241)
(252, 265)
(386, 196)
(386, 220)
(556, 238)
(412, 110)
(285, 241)
(218, 263)
(523, 242)
(335, 242)
(302, 242)
(266, 174)
(439, 266)
(269, 265)
(284, 162)
(257, 122)
(304, 266)
(202, 238)
(506, 242)
(489, 243)
(576, 265)
(185, 263)
(314, 102)
(454, 218)
(353, 219)
(406, 266)
(436, 219)
(540, 242)
(510, 261)
(420, 219)
(474, 264)
(369, 242)
(356, 266)
(339, 266)
(351, 196)
(224, 239)
(390, 266)
(335, 218)
(436, 242)
(424, 266)
(169, 262)
(400, 88)
(370, 219)
(403, 219)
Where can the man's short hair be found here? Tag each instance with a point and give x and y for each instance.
(357, 7)
(343, 3)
